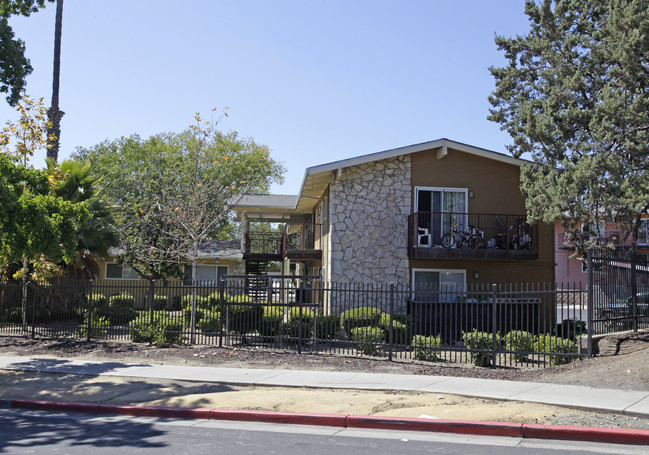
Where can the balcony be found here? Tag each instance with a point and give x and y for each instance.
(293, 241)
(471, 236)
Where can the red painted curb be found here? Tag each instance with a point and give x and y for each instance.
(296, 418)
(442, 426)
(88, 408)
(154, 411)
(614, 435)
(517, 430)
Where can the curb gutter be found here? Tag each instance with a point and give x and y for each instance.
(518, 430)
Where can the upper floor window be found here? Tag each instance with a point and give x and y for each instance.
(643, 232)
(115, 271)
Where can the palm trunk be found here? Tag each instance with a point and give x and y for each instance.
(54, 113)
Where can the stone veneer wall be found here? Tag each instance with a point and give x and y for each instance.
(369, 209)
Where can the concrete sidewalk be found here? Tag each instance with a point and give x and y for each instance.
(591, 399)
(587, 398)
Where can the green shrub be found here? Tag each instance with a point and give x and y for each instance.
(425, 347)
(241, 298)
(162, 332)
(400, 330)
(187, 315)
(96, 300)
(202, 302)
(123, 300)
(307, 314)
(211, 323)
(117, 315)
(244, 318)
(368, 339)
(159, 302)
(272, 320)
(555, 345)
(571, 328)
(359, 317)
(292, 329)
(98, 329)
(480, 345)
(327, 327)
(141, 330)
(521, 343)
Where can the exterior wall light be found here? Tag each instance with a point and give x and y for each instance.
(476, 275)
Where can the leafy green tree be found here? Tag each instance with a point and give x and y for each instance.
(575, 96)
(35, 223)
(14, 66)
(171, 192)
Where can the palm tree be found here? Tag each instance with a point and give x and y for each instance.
(95, 234)
(54, 113)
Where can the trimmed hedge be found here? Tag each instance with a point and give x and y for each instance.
(425, 347)
(549, 343)
(520, 343)
(368, 339)
(327, 327)
(401, 328)
(480, 341)
(99, 327)
(359, 317)
(123, 300)
(162, 332)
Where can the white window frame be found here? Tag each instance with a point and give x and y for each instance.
(419, 269)
(464, 220)
(137, 277)
(216, 270)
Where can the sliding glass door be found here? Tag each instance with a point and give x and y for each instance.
(441, 210)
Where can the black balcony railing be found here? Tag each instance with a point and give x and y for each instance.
(293, 240)
(471, 235)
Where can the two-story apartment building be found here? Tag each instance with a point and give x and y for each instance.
(437, 213)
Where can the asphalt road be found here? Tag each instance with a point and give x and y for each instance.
(52, 433)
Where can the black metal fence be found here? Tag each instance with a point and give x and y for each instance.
(497, 325)
(618, 290)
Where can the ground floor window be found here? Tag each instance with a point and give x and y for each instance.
(441, 285)
(115, 271)
(205, 272)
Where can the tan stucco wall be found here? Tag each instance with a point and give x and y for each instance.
(495, 184)
(496, 189)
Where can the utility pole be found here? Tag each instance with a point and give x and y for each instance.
(54, 113)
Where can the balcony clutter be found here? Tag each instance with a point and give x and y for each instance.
(461, 235)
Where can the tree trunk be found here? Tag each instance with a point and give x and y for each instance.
(54, 113)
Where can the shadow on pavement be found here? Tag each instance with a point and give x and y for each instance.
(25, 431)
(101, 389)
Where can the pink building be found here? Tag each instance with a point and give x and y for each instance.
(569, 270)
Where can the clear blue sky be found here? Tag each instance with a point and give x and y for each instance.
(315, 80)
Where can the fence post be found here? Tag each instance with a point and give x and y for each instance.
(299, 299)
(89, 311)
(221, 305)
(151, 286)
(634, 292)
(391, 321)
(33, 311)
(493, 325)
(591, 299)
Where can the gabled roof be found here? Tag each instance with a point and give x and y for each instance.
(316, 178)
(209, 249)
